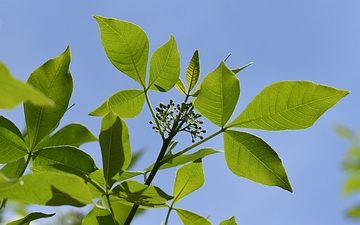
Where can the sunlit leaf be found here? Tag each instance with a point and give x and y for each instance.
(133, 192)
(73, 134)
(12, 147)
(126, 45)
(164, 67)
(288, 105)
(230, 221)
(185, 158)
(354, 212)
(241, 68)
(30, 217)
(5, 123)
(47, 188)
(180, 86)
(54, 80)
(126, 103)
(250, 157)
(13, 169)
(65, 155)
(191, 218)
(115, 146)
(351, 185)
(14, 91)
(193, 71)
(188, 179)
(220, 91)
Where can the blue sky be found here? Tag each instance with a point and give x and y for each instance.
(286, 40)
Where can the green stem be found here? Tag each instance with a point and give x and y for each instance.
(154, 115)
(168, 214)
(110, 208)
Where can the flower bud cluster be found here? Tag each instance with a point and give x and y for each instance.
(181, 117)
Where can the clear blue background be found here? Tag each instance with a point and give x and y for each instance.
(287, 40)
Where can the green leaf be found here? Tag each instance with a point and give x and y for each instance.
(126, 45)
(65, 155)
(115, 147)
(30, 217)
(14, 91)
(12, 147)
(250, 157)
(125, 103)
(13, 169)
(180, 86)
(47, 188)
(230, 221)
(288, 105)
(220, 91)
(354, 212)
(184, 158)
(191, 218)
(134, 192)
(164, 67)
(54, 80)
(10, 126)
(73, 134)
(351, 185)
(241, 68)
(188, 178)
(193, 71)
(99, 215)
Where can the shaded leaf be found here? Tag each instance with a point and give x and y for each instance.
(47, 188)
(68, 156)
(121, 211)
(191, 218)
(13, 169)
(12, 147)
(220, 91)
(184, 158)
(134, 192)
(164, 67)
(73, 134)
(288, 105)
(354, 212)
(193, 71)
(54, 80)
(14, 91)
(5, 123)
(115, 147)
(189, 178)
(126, 45)
(250, 157)
(30, 217)
(230, 221)
(99, 215)
(125, 103)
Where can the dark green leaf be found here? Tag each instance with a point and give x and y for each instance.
(250, 157)
(125, 103)
(47, 188)
(54, 80)
(14, 91)
(220, 91)
(13, 169)
(134, 192)
(30, 217)
(164, 67)
(12, 147)
(65, 155)
(10, 126)
(288, 105)
(73, 134)
(188, 179)
(126, 45)
(115, 147)
(191, 218)
(99, 215)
